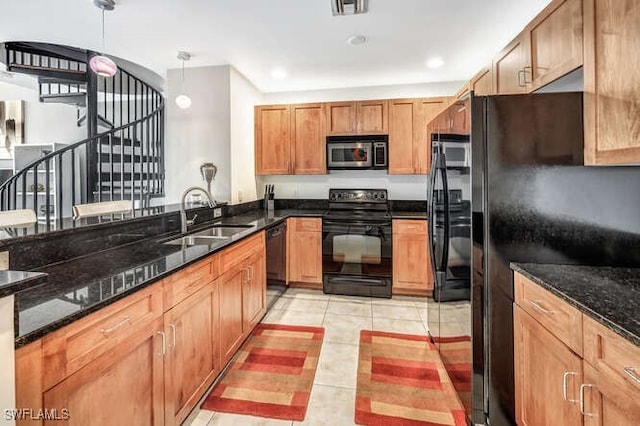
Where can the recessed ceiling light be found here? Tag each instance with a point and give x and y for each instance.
(279, 73)
(356, 39)
(435, 62)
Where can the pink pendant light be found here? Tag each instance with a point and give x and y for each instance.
(100, 64)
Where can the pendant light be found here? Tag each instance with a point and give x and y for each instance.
(182, 100)
(100, 64)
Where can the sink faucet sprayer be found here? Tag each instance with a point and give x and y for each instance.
(184, 222)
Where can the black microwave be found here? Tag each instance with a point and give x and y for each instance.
(357, 152)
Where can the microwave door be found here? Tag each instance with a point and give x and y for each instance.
(349, 155)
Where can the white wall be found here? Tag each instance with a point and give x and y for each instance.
(425, 90)
(7, 366)
(200, 133)
(244, 96)
(44, 123)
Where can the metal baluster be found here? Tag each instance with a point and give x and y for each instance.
(59, 186)
(148, 123)
(47, 190)
(35, 189)
(111, 167)
(73, 176)
(24, 191)
(100, 145)
(132, 162)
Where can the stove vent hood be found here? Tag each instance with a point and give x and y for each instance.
(348, 7)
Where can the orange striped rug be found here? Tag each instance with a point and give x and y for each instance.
(402, 381)
(456, 355)
(272, 374)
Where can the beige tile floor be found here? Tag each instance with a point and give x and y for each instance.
(334, 388)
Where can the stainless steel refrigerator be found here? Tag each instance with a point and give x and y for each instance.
(533, 201)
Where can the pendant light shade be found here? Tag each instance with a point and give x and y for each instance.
(103, 66)
(100, 64)
(183, 101)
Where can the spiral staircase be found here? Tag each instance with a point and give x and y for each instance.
(122, 157)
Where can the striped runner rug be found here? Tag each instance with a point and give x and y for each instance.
(455, 353)
(403, 381)
(272, 375)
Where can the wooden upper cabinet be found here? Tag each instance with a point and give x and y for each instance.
(404, 135)
(430, 108)
(357, 118)
(482, 83)
(341, 118)
(556, 42)
(509, 67)
(611, 82)
(272, 139)
(308, 141)
(373, 117)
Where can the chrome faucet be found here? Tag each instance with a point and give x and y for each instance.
(184, 222)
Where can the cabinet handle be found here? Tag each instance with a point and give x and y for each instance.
(631, 372)
(411, 227)
(195, 280)
(164, 343)
(251, 273)
(539, 308)
(584, 413)
(564, 386)
(521, 79)
(245, 280)
(173, 336)
(126, 320)
(526, 70)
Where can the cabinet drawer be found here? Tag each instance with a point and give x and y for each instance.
(241, 251)
(561, 319)
(184, 283)
(306, 224)
(410, 227)
(76, 345)
(610, 353)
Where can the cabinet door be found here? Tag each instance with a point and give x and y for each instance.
(482, 83)
(308, 140)
(341, 118)
(460, 117)
(430, 108)
(192, 360)
(304, 249)
(411, 263)
(272, 133)
(373, 117)
(510, 68)
(608, 401)
(611, 81)
(404, 135)
(556, 41)
(122, 386)
(254, 293)
(230, 308)
(543, 367)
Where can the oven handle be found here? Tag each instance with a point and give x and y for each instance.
(350, 280)
(355, 222)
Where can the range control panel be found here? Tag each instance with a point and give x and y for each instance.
(358, 195)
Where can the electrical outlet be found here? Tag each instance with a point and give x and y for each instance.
(4, 260)
(217, 213)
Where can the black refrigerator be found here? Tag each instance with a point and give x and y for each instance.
(534, 201)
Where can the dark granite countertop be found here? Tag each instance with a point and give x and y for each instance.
(610, 295)
(400, 214)
(13, 281)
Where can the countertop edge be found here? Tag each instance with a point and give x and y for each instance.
(622, 332)
(37, 278)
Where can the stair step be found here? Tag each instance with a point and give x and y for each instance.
(116, 158)
(137, 176)
(63, 81)
(77, 99)
(73, 75)
(116, 142)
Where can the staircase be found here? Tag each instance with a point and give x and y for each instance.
(122, 157)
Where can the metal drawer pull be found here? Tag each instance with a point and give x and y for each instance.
(582, 400)
(536, 305)
(564, 386)
(631, 372)
(126, 320)
(173, 339)
(164, 343)
(251, 273)
(196, 279)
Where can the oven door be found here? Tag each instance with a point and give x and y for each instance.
(356, 257)
(349, 155)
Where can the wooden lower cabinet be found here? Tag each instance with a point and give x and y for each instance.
(123, 386)
(411, 260)
(304, 248)
(543, 364)
(608, 401)
(230, 302)
(192, 355)
(254, 292)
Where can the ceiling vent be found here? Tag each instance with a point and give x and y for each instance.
(348, 7)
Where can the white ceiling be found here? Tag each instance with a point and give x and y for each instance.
(300, 36)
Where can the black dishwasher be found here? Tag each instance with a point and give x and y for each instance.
(276, 262)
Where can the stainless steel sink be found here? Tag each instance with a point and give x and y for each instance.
(223, 230)
(196, 240)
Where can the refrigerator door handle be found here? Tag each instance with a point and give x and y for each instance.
(447, 217)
